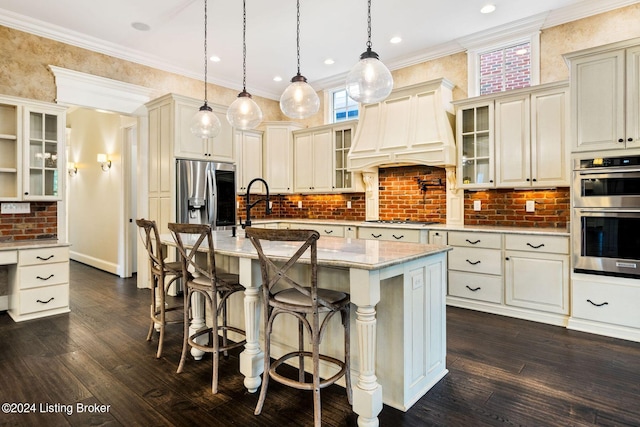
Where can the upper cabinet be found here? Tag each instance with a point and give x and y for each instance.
(517, 139)
(249, 161)
(320, 159)
(187, 145)
(31, 150)
(605, 97)
(278, 156)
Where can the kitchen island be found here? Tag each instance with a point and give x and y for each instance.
(398, 290)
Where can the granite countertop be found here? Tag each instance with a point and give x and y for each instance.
(30, 244)
(444, 227)
(332, 251)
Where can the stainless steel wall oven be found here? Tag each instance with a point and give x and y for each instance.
(606, 216)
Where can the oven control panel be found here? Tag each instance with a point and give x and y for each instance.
(608, 162)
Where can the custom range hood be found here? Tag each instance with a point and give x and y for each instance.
(413, 126)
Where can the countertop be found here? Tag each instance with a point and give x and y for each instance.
(475, 228)
(31, 244)
(332, 251)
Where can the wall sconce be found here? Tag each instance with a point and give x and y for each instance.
(102, 159)
(72, 169)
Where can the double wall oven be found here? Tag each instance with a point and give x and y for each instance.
(606, 216)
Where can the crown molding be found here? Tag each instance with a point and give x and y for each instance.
(583, 9)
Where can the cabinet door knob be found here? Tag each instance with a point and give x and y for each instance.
(535, 180)
(629, 139)
(620, 140)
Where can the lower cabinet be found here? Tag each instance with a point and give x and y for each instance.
(392, 234)
(517, 275)
(605, 305)
(39, 284)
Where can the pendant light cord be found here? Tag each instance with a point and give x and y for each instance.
(369, 25)
(244, 45)
(205, 52)
(298, 35)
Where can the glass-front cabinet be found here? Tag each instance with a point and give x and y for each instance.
(43, 154)
(342, 145)
(475, 145)
(9, 153)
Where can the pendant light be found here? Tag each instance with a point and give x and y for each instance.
(205, 124)
(299, 100)
(244, 113)
(369, 80)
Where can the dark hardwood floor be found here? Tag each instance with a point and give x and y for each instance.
(503, 371)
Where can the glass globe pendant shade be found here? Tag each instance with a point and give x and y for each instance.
(369, 80)
(205, 124)
(244, 113)
(299, 100)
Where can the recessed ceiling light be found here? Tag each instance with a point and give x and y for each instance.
(277, 79)
(140, 26)
(488, 8)
(215, 58)
(329, 61)
(395, 40)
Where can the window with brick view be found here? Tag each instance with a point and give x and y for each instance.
(505, 68)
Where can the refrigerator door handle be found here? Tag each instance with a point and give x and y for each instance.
(212, 205)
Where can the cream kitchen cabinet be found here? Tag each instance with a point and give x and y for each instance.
(32, 155)
(330, 230)
(532, 138)
(249, 160)
(537, 272)
(606, 306)
(437, 237)
(39, 285)
(475, 268)
(183, 143)
(278, 156)
(605, 97)
(475, 139)
(313, 160)
(516, 139)
(320, 159)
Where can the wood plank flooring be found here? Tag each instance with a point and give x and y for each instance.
(503, 371)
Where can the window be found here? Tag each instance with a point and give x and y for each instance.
(340, 106)
(505, 68)
(498, 64)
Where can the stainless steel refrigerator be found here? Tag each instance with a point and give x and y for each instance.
(206, 193)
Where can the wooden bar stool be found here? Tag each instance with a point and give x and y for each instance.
(160, 272)
(216, 287)
(306, 302)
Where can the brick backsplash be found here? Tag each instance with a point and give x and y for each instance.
(507, 208)
(40, 223)
(401, 197)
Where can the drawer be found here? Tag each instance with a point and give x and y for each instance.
(475, 286)
(475, 240)
(533, 243)
(44, 255)
(476, 260)
(324, 230)
(34, 276)
(390, 234)
(42, 299)
(606, 302)
(8, 257)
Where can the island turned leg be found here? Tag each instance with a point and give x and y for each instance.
(197, 324)
(367, 393)
(252, 358)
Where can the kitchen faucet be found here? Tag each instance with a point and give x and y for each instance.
(247, 222)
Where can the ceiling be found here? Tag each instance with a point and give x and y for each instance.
(335, 29)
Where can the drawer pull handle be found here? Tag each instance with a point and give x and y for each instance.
(376, 235)
(473, 289)
(597, 305)
(398, 237)
(45, 302)
(44, 259)
(473, 243)
(45, 278)
(328, 231)
(474, 262)
(534, 246)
